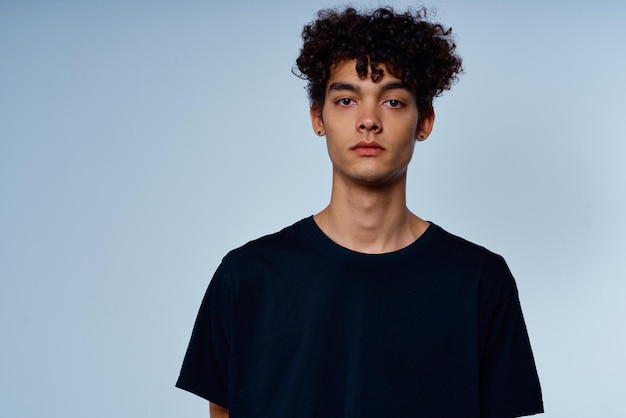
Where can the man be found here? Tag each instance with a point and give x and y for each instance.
(365, 310)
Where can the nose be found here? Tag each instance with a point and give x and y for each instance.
(369, 120)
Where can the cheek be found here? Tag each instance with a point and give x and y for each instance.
(405, 132)
(338, 128)
(413, 130)
(331, 121)
(332, 145)
(408, 146)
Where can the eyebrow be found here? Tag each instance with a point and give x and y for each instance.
(394, 85)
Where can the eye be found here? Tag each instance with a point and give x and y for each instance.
(345, 102)
(394, 103)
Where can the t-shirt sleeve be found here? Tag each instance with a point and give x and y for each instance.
(509, 383)
(205, 368)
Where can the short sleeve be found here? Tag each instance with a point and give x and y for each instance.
(509, 385)
(205, 368)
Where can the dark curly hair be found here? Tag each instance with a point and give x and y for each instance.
(418, 52)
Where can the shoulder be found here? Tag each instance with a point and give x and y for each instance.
(461, 250)
(490, 268)
(284, 243)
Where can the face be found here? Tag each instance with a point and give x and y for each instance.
(370, 127)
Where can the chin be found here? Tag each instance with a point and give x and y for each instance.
(380, 180)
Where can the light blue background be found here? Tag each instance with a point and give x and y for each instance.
(142, 140)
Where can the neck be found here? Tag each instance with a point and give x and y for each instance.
(371, 220)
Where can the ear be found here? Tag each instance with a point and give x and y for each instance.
(316, 120)
(425, 124)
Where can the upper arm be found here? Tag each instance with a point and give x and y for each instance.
(216, 411)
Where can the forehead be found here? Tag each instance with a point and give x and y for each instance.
(346, 70)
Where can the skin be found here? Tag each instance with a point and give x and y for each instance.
(367, 210)
(371, 130)
(216, 411)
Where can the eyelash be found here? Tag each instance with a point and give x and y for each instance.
(341, 102)
(398, 103)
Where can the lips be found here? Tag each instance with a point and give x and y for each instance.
(367, 148)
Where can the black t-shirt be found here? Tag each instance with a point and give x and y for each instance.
(294, 325)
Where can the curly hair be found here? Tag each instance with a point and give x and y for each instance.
(418, 52)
